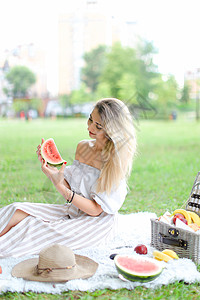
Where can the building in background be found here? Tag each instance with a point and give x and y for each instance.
(192, 78)
(31, 57)
(83, 30)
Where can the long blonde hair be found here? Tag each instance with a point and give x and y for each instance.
(120, 147)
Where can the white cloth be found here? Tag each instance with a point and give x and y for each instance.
(134, 229)
(82, 178)
(65, 224)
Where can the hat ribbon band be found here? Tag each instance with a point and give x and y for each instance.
(41, 270)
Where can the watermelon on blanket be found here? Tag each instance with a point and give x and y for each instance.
(136, 268)
(50, 153)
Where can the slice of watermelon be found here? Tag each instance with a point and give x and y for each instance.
(50, 153)
(135, 268)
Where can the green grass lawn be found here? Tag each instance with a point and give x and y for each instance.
(164, 170)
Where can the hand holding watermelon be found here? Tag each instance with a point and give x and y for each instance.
(48, 151)
(39, 151)
(55, 175)
(50, 158)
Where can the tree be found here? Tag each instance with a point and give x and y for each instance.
(131, 75)
(103, 89)
(185, 93)
(165, 94)
(94, 64)
(197, 100)
(147, 70)
(136, 64)
(127, 87)
(20, 79)
(119, 61)
(80, 96)
(64, 100)
(26, 104)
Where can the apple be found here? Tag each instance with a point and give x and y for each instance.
(180, 217)
(141, 249)
(184, 221)
(0, 270)
(177, 216)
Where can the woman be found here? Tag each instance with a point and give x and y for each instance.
(94, 188)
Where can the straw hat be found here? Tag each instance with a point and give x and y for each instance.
(55, 263)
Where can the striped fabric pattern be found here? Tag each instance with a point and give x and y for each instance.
(64, 224)
(48, 224)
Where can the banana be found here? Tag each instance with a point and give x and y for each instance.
(157, 258)
(195, 218)
(161, 256)
(170, 253)
(185, 213)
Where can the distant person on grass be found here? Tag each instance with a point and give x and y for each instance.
(93, 189)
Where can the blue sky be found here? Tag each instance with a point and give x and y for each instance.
(172, 25)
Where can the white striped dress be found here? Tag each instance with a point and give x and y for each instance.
(64, 224)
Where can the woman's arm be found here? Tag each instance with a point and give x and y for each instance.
(57, 177)
(90, 207)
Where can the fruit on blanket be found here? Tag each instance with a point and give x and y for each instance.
(50, 153)
(170, 253)
(161, 256)
(177, 216)
(137, 268)
(184, 213)
(0, 270)
(141, 249)
(112, 256)
(195, 218)
(180, 217)
(184, 221)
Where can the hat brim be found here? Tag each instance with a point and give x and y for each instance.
(85, 268)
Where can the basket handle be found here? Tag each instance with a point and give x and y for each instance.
(174, 242)
(197, 183)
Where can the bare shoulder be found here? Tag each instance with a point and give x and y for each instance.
(85, 153)
(82, 147)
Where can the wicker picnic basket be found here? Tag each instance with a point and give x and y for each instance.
(184, 242)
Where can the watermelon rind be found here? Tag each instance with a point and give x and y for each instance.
(47, 157)
(56, 165)
(138, 276)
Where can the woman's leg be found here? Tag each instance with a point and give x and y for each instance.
(18, 216)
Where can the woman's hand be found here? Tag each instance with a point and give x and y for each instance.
(39, 151)
(55, 175)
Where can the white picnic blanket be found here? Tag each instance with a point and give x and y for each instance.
(134, 229)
